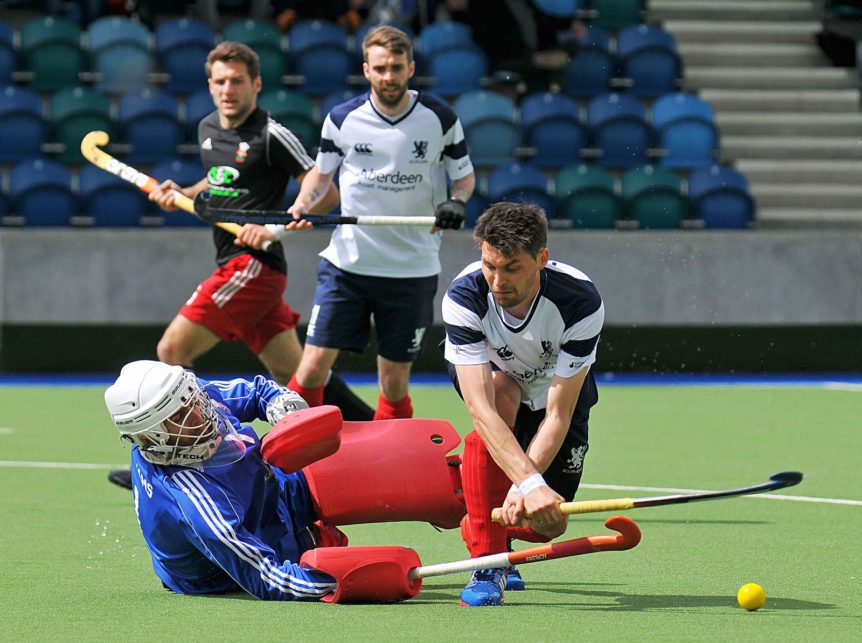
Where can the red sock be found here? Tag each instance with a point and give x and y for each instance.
(314, 396)
(522, 533)
(485, 487)
(387, 410)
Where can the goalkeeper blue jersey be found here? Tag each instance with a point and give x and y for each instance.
(236, 527)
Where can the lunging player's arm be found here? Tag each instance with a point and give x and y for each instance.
(462, 189)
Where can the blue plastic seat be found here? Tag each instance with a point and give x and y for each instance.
(618, 127)
(586, 196)
(149, 122)
(686, 130)
(520, 183)
(592, 67)
(720, 198)
(22, 127)
(477, 204)
(110, 201)
(551, 123)
(182, 45)
(8, 56)
(266, 40)
(295, 111)
(490, 127)
(559, 8)
(319, 52)
(440, 36)
(653, 197)
(120, 52)
(51, 50)
(649, 58)
(457, 70)
(74, 112)
(198, 105)
(40, 191)
(184, 172)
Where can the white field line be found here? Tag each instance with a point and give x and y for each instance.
(767, 496)
(23, 464)
(6, 430)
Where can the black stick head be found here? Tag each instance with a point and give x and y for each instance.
(787, 478)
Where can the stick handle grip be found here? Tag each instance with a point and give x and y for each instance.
(583, 507)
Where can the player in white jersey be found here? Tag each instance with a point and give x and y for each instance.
(521, 334)
(394, 147)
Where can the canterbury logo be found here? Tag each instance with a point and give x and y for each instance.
(362, 148)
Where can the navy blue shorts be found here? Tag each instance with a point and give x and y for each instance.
(344, 303)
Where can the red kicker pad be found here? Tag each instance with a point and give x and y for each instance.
(390, 470)
(366, 574)
(303, 437)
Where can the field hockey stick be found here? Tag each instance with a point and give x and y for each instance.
(283, 217)
(776, 481)
(91, 146)
(628, 537)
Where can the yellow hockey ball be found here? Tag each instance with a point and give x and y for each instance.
(751, 597)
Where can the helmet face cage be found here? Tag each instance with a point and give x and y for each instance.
(187, 437)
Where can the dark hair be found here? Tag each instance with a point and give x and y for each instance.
(234, 52)
(510, 228)
(391, 39)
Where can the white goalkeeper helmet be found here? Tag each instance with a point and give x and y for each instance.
(164, 412)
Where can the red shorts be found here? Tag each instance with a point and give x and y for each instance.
(242, 300)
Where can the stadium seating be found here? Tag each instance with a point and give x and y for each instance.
(22, 127)
(591, 68)
(184, 172)
(73, 112)
(40, 192)
(475, 207)
(586, 196)
(685, 129)
(489, 125)
(335, 98)
(120, 52)
(182, 45)
(318, 51)
(8, 56)
(559, 8)
(108, 200)
(649, 59)
(616, 14)
(149, 122)
(266, 40)
(198, 105)
(457, 70)
(520, 183)
(440, 36)
(618, 127)
(720, 198)
(51, 51)
(551, 124)
(653, 197)
(293, 110)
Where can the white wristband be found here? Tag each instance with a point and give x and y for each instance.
(532, 482)
(277, 230)
(514, 488)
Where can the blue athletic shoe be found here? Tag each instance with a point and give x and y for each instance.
(485, 588)
(514, 582)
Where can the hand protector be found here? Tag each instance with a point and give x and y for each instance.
(450, 214)
(285, 404)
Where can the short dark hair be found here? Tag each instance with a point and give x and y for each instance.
(510, 228)
(391, 39)
(234, 52)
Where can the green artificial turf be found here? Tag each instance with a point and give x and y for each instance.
(74, 566)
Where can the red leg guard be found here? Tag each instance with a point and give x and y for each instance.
(366, 574)
(528, 535)
(314, 396)
(302, 437)
(387, 410)
(390, 470)
(485, 487)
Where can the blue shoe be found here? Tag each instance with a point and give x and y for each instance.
(514, 582)
(485, 588)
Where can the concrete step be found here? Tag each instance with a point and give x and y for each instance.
(824, 171)
(795, 147)
(765, 10)
(761, 78)
(796, 218)
(753, 55)
(717, 31)
(793, 100)
(806, 195)
(790, 123)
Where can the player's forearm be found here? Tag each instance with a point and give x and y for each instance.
(315, 187)
(503, 447)
(547, 441)
(329, 200)
(462, 189)
(193, 190)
